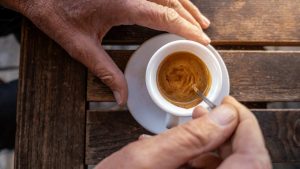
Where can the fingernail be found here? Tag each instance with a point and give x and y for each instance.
(223, 115)
(117, 97)
(144, 136)
(206, 21)
(206, 39)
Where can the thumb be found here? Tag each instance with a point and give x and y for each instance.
(89, 52)
(194, 138)
(178, 145)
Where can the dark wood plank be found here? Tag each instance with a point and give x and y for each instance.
(96, 90)
(234, 22)
(51, 105)
(286, 165)
(109, 131)
(281, 130)
(255, 76)
(255, 105)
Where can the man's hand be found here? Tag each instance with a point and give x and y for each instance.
(229, 137)
(80, 25)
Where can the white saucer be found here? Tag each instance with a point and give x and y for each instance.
(140, 105)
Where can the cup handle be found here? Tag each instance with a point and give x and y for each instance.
(171, 121)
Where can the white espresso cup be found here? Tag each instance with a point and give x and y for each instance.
(174, 112)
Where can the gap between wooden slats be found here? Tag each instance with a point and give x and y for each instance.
(255, 76)
(108, 131)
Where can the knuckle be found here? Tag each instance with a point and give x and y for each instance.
(107, 79)
(104, 75)
(171, 16)
(173, 4)
(197, 136)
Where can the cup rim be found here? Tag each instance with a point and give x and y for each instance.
(157, 97)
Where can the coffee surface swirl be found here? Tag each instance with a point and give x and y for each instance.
(177, 74)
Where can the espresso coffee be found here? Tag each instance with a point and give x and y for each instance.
(176, 75)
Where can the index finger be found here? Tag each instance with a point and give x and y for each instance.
(155, 16)
(87, 51)
(248, 137)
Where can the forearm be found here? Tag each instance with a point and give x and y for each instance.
(20, 6)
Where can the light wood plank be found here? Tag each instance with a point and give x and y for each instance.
(255, 76)
(234, 22)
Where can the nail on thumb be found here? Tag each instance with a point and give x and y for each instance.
(223, 115)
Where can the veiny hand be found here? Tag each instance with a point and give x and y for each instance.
(79, 26)
(230, 130)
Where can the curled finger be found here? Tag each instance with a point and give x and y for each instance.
(155, 16)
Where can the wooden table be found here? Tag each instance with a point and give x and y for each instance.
(57, 129)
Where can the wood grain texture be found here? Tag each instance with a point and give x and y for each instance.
(255, 76)
(286, 165)
(264, 76)
(51, 105)
(96, 90)
(107, 132)
(280, 129)
(235, 22)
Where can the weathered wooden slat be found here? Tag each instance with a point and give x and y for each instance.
(286, 165)
(109, 131)
(51, 105)
(255, 76)
(264, 76)
(256, 105)
(96, 90)
(281, 130)
(234, 22)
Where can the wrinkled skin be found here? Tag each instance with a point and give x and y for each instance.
(79, 26)
(231, 129)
